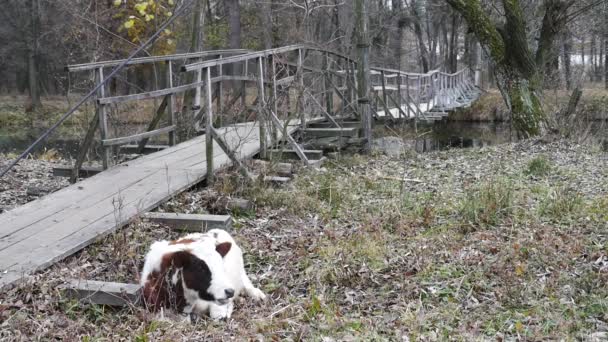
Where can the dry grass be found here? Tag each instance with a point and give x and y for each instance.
(491, 106)
(349, 252)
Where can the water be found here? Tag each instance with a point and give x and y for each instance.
(440, 136)
(455, 134)
(13, 140)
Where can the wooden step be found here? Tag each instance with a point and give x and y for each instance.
(292, 155)
(191, 222)
(134, 148)
(103, 293)
(277, 180)
(331, 132)
(85, 171)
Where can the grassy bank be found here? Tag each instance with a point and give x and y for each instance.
(500, 242)
(491, 106)
(16, 114)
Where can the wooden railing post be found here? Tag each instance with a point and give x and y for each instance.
(196, 104)
(261, 109)
(209, 126)
(399, 98)
(275, 97)
(244, 89)
(300, 92)
(418, 97)
(407, 95)
(103, 120)
(329, 93)
(170, 103)
(220, 90)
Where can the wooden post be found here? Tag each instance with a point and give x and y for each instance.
(261, 110)
(103, 121)
(196, 104)
(84, 148)
(244, 91)
(384, 95)
(220, 89)
(407, 95)
(275, 97)
(329, 94)
(170, 103)
(209, 127)
(399, 95)
(300, 92)
(418, 97)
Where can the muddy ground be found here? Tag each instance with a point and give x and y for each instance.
(499, 243)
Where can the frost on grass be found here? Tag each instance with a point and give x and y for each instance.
(461, 244)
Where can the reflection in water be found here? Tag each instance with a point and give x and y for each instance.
(446, 135)
(67, 147)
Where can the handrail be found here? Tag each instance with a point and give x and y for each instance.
(257, 54)
(154, 59)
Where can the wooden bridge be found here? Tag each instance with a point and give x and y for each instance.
(243, 104)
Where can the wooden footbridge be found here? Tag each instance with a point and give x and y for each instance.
(242, 104)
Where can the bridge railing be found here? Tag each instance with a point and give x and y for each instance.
(166, 109)
(275, 87)
(405, 95)
(286, 79)
(274, 74)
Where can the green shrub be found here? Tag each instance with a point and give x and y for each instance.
(539, 166)
(561, 203)
(488, 204)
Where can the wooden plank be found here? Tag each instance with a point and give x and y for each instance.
(255, 55)
(153, 59)
(130, 149)
(170, 90)
(191, 222)
(277, 180)
(331, 132)
(137, 137)
(285, 80)
(344, 124)
(103, 293)
(293, 155)
(84, 171)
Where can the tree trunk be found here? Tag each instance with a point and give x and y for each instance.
(526, 107)
(567, 58)
(32, 58)
(606, 44)
(520, 71)
(424, 54)
(453, 48)
(196, 44)
(233, 10)
(265, 15)
(363, 72)
(593, 57)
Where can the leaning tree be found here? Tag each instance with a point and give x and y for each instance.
(520, 49)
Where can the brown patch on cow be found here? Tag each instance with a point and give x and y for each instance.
(223, 248)
(182, 242)
(159, 291)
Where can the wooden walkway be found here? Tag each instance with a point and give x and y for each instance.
(44, 231)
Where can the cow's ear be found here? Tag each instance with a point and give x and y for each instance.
(223, 248)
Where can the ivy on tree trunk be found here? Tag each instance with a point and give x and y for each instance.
(520, 69)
